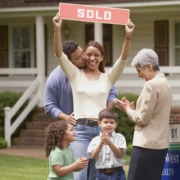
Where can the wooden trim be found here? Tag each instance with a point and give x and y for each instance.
(107, 39)
(3, 46)
(89, 32)
(107, 43)
(3, 38)
(35, 64)
(162, 42)
(161, 33)
(3, 59)
(107, 48)
(163, 55)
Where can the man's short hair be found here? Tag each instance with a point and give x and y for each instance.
(69, 47)
(109, 114)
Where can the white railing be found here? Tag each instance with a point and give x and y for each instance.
(18, 71)
(30, 94)
(33, 85)
(10, 72)
(10, 112)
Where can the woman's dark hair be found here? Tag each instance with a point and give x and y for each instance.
(54, 135)
(101, 49)
(69, 47)
(109, 114)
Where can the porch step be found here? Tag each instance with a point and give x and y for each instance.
(28, 141)
(33, 134)
(41, 117)
(25, 147)
(37, 125)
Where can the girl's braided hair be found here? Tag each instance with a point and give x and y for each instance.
(54, 135)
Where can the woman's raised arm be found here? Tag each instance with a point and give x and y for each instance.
(57, 21)
(129, 28)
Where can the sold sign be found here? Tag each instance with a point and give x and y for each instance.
(93, 14)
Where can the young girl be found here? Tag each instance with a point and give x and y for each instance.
(58, 135)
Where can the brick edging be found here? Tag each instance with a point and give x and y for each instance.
(175, 115)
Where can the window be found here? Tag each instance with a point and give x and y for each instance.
(161, 42)
(177, 44)
(21, 47)
(3, 46)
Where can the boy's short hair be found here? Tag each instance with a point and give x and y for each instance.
(109, 114)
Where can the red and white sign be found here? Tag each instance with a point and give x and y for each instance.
(93, 14)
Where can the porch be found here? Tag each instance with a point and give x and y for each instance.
(37, 21)
(20, 80)
(31, 82)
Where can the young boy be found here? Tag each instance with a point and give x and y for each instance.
(108, 148)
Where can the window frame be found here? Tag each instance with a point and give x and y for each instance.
(174, 45)
(172, 40)
(11, 41)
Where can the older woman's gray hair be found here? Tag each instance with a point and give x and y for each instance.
(144, 57)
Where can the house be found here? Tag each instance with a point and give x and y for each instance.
(26, 43)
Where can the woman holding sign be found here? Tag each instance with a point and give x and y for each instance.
(90, 88)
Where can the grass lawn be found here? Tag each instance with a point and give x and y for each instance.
(22, 168)
(127, 159)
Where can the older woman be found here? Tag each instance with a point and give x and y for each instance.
(151, 118)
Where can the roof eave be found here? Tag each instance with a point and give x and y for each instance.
(113, 5)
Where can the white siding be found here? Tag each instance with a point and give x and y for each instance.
(143, 37)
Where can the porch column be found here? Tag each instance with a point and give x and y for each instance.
(40, 57)
(98, 33)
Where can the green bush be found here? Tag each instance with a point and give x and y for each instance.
(129, 149)
(1, 130)
(8, 99)
(3, 143)
(125, 126)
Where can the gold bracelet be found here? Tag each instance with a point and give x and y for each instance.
(128, 38)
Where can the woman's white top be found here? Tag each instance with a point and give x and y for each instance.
(90, 97)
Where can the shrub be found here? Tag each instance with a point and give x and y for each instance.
(129, 149)
(3, 143)
(125, 126)
(8, 99)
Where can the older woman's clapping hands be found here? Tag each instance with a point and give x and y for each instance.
(124, 104)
